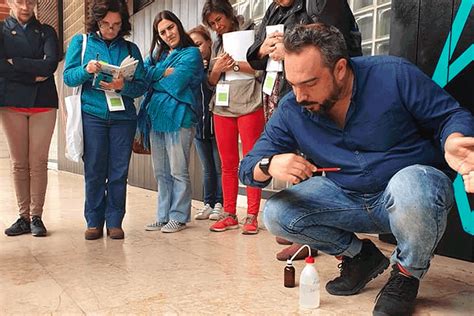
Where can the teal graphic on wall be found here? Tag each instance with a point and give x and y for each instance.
(445, 71)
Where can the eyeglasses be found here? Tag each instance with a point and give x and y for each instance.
(29, 3)
(108, 26)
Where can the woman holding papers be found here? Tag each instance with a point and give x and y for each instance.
(174, 69)
(28, 102)
(108, 113)
(237, 108)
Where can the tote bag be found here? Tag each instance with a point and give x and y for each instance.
(74, 132)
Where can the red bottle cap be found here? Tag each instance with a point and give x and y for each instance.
(309, 259)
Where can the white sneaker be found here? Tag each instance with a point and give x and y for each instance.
(204, 212)
(154, 226)
(216, 212)
(173, 227)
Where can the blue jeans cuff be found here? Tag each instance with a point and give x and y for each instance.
(354, 248)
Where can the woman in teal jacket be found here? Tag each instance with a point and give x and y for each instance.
(175, 71)
(108, 135)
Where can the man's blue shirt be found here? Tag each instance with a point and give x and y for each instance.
(397, 117)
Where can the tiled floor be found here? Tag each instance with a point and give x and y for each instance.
(190, 272)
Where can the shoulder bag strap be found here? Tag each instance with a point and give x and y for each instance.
(78, 90)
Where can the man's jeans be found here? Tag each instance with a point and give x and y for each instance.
(170, 153)
(413, 207)
(211, 164)
(107, 152)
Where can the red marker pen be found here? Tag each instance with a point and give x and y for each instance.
(333, 169)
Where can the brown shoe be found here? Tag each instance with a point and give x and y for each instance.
(288, 252)
(283, 241)
(115, 233)
(93, 233)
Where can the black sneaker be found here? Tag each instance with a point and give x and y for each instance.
(37, 227)
(20, 227)
(397, 297)
(358, 271)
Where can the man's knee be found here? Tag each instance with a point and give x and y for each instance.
(420, 184)
(422, 188)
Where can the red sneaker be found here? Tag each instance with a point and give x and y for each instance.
(224, 222)
(250, 225)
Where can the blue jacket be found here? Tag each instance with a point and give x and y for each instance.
(34, 51)
(174, 97)
(93, 100)
(204, 126)
(397, 117)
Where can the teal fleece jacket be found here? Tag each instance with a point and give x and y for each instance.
(93, 100)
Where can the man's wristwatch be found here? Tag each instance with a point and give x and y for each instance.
(264, 165)
(236, 67)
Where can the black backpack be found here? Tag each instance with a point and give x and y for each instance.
(314, 8)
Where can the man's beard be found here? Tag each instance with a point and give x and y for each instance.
(328, 103)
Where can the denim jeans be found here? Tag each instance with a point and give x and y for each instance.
(413, 207)
(107, 152)
(211, 164)
(170, 154)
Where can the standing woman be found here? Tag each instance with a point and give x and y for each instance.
(108, 135)
(205, 140)
(243, 116)
(175, 71)
(28, 102)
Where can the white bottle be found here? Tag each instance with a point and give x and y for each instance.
(309, 286)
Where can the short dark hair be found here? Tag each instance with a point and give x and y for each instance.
(219, 6)
(201, 30)
(184, 39)
(327, 38)
(99, 10)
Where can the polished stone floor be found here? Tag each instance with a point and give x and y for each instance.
(190, 272)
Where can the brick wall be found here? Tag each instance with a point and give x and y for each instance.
(73, 19)
(4, 10)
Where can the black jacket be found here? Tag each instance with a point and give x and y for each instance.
(331, 12)
(34, 52)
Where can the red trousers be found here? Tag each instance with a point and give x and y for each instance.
(227, 130)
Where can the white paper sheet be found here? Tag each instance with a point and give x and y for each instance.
(273, 65)
(236, 45)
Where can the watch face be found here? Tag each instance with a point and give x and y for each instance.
(264, 161)
(236, 68)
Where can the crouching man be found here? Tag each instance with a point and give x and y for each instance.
(398, 139)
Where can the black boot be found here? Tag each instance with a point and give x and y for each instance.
(397, 297)
(358, 271)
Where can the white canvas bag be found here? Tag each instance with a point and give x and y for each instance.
(74, 133)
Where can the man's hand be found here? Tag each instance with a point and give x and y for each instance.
(115, 84)
(459, 154)
(469, 182)
(287, 167)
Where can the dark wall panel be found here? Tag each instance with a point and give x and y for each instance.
(404, 29)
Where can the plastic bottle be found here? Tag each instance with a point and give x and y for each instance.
(309, 286)
(289, 274)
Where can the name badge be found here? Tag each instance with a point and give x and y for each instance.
(222, 94)
(114, 101)
(269, 82)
